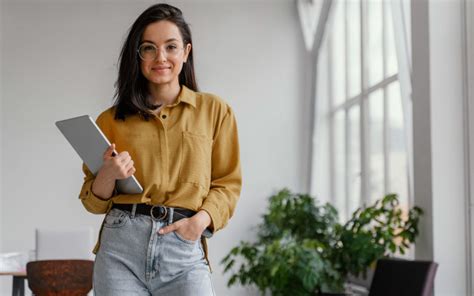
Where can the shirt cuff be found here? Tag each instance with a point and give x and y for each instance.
(92, 202)
(213, 212)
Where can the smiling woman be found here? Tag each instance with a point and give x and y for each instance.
(182, 146)
(157, 52)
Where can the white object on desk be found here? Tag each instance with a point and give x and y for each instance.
(64, 244)
(13, 262)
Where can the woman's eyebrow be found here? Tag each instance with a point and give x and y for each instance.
(169, 40)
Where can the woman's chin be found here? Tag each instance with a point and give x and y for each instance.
(160, 80)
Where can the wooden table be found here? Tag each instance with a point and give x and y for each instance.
(19, 278)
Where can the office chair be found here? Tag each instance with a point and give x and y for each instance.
(60, 277)
(395, 277)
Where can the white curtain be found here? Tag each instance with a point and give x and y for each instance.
(309, 13)
(402, 27)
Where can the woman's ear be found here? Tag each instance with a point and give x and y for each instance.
(187, 51)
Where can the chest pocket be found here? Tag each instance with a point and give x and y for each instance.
(196, 155)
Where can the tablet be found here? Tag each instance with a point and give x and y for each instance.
(90, 143)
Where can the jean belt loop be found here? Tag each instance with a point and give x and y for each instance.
(170, 215)
(134, 209)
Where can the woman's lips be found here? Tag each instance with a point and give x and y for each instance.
(160, 70)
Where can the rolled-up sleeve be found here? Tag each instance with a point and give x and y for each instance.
(226, 176)
(91, 202)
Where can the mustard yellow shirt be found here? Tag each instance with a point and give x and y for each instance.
(187, 156)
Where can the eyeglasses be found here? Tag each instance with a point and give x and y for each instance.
(149, 51)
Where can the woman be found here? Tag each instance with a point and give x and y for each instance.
(182, 146)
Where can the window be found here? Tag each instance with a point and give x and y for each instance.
(360, 148)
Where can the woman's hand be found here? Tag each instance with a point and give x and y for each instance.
(117, 167)
(189, 228)
(114, 167)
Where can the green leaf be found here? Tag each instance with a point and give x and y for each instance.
(301, 247)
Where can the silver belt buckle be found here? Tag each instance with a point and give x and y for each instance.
(163, 216)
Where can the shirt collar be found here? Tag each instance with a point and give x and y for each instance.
(186, 95)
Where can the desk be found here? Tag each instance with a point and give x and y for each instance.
(19, 278)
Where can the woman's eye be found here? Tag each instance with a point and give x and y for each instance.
(172, 47)
(148, 48)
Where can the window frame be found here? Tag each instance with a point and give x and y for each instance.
(361, 99)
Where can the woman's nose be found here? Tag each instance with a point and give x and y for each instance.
(160, 55)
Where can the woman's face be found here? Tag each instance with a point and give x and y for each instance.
(163, 40)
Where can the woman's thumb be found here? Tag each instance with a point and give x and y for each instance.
(110, 151)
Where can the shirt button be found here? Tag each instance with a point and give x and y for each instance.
(163, 116)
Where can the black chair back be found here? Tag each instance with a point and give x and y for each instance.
(394, 277)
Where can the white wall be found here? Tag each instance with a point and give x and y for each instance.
(1, 130)
(59, 61)
(448, 146)
(469, 33)
(439, 140)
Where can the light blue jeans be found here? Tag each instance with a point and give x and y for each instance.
(134, 259)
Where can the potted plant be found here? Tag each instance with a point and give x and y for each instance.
(302, 249)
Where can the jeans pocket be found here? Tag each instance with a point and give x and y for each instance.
(187, 241)
(115, 219)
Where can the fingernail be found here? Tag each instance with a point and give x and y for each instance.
(161, 231)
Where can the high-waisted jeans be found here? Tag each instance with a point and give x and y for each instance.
(134, 259)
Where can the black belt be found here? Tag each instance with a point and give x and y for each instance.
(161, 213)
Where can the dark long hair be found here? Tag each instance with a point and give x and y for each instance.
(131, 88)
